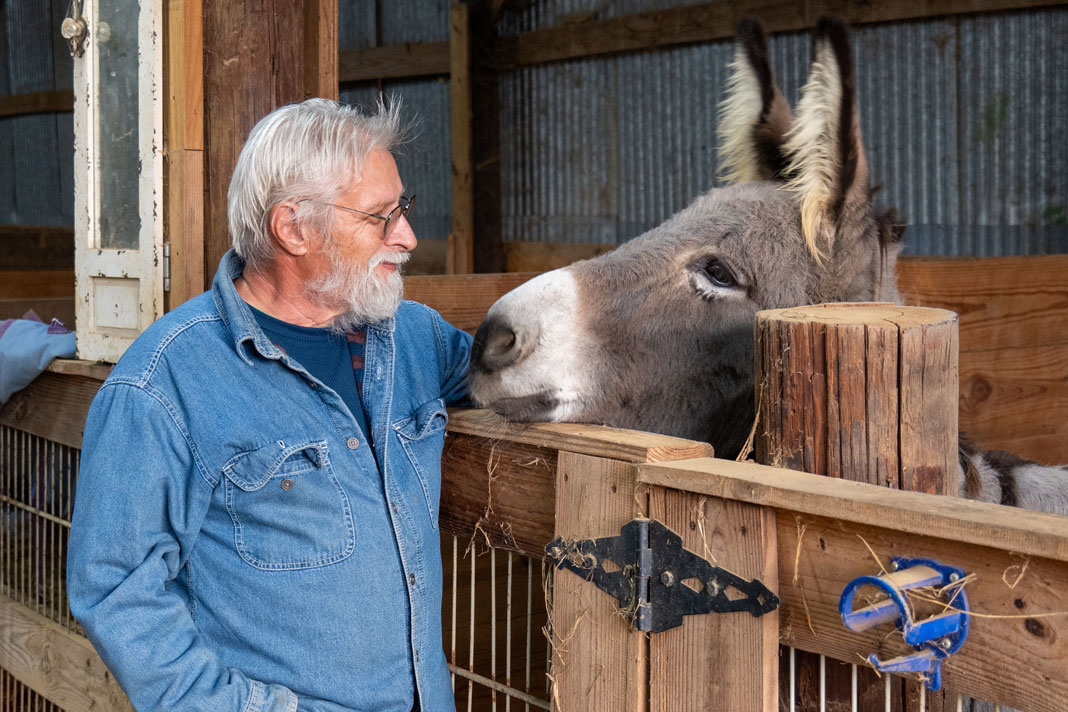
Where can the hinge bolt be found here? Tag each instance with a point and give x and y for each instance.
(667, 578)
(954, 576)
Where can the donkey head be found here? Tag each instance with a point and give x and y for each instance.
(658, 334)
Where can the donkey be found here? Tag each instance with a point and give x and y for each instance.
(658, 334)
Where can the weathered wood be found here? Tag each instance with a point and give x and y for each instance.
(37, 102)
(320, 49)
(183, 177)
(30, 247)
(253, 63)
(599, 661)
(53, 407)
(823, 526)
(47, 308)
(594, 440)
(587, 37)
(76, 367)
(544, 256)
(460, 254)
(865, 392)
(411, 59)
(462, 299)
(718, 661)
(1034, 534)
(498, 493)
(59, 665)
(47, 283)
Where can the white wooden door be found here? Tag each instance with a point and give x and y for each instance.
(118, 142)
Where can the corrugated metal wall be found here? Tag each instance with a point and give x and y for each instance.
(36, 151)
(425, 162)
(964, 120)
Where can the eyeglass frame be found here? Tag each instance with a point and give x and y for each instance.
(404, 206)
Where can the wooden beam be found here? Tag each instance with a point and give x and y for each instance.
(53, 407)
(459, 255)
(600, 663)
(487, 223)
(593, 440)
(24, 284)
(26, 247)
(38, 102)
(718, 661)
(56, 663)
(320, 49)
(411, 59)
(980, 523)
(462, 299)
(716, 21)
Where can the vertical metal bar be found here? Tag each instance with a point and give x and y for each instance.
(508, 636)
(887, 687)
(493, 624)
(960, 704)
(854, 707)
(530, 611)
(793, 681)
(923, 697)
(823, 683)
(452, 633)
(471, 633)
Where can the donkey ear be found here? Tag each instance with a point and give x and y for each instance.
(753, 116)
(827, 165)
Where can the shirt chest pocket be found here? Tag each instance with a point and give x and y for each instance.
(288, 507)
(423, 437)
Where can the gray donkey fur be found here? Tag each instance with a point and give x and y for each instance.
(658, 334)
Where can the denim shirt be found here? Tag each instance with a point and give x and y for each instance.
(236, 544)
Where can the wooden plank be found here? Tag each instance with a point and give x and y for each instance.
(824, 526)
(498, 493)
(716, 20)
(77, 367)
(47, 308)
(593, 440)
(57, 664)
(718, 661)
(599, 662)
(49, 283)
(184, 71)
(37, 102)
(320, 49)
(1002, 301)
(184, 225)
(411, 59)
(980, 523)
(462, 299)
(544, 256)
(53, 407)
(460, 250)
(485, 81)
(253, 63)
(28, 247)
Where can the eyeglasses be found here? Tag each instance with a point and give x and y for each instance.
(403, 208)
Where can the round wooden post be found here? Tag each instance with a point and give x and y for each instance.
(864, 392)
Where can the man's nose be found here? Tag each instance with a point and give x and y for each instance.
(401, 235)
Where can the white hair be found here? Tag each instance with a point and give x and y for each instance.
(312, 150)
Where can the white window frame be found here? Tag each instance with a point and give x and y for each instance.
(119, 292)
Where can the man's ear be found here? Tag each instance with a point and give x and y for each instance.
(290, 234)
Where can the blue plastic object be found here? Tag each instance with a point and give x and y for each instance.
(934, 638)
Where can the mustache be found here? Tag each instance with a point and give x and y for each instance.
(395, 258)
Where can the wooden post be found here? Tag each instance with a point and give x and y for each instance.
(865, 392)
(460, 254)
(718, 661)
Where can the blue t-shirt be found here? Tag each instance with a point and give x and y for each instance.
(335, 359)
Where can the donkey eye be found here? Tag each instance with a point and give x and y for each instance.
(720, 274)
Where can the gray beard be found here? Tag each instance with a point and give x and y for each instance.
(362, 296)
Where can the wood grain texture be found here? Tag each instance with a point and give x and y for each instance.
(320, 49)
(53, 406)
(59, 665)
(599, 661)
(411, 59)
(716, 661)
(37, 283)
(462, 300)
(460, 245)
(594, 440)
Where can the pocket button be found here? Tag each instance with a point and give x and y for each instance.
(352, 443)
(287, 484)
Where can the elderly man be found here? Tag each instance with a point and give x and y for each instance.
(256, 517)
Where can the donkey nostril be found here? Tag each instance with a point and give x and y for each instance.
(496, 345)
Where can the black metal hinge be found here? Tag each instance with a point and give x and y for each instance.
(651, 573)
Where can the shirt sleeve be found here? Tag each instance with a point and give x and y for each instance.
(456, 359)
(140, 502)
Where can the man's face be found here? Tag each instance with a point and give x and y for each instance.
(357, 268)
